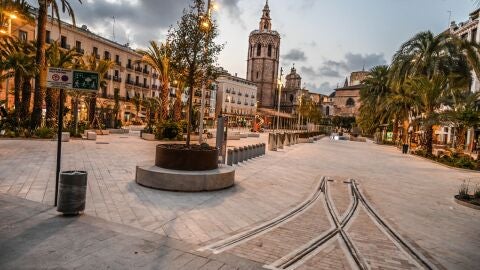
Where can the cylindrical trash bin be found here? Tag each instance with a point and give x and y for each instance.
(72, 192)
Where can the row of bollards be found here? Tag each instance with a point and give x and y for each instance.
(279, 140)
(245, 153)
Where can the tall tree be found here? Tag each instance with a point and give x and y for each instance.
(41, 77)
(158, 57)
(194, 49)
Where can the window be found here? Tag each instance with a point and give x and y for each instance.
(259, 49)
(95, 52)
(22, 35)
(117, 58)
(116, 73)
(136, 79)
(144, 81)
(266, 26)
(106, 55)
(350, 102)
(251, 50)
(78, 45)
(48, 38)
(269, 50)
(257, 74)
(327, 111)
(63, 42)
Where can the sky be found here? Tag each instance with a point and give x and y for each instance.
(325, 39)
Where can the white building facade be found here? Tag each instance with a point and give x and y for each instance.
(237, 98)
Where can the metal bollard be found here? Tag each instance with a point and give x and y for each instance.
(257, 150)
(272, 142)
(249, 152)
(230, 157)
(279, 141)
(263, 150)
(289, 139)
(241, 154)
(235, 156)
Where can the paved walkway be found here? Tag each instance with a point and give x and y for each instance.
(34, 236)
(413, 195)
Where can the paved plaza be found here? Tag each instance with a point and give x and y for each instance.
(414, 197)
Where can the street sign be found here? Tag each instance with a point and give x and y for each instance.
(59, 78)
(85, 80)
(80, 80)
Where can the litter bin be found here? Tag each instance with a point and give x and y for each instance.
(72, 192)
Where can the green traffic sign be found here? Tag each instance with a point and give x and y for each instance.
(84, 80)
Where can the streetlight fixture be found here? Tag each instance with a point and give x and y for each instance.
(206, 25)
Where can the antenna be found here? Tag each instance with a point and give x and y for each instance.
(113, 28)
(449, 17)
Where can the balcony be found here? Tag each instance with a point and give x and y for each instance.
(233, 92)
(155, 75)
(145, 71)
(118, 63)
(80, 50)
(198, 93)
(154, 86)
(49, 40)
(65, 46)
(246, 95)
(129, 66)
(246, 103)
(146, 86)
(239, 102)
(138, 69)
(226, 100)
(253, 96)
(96, 55)
(130, 82)
(107, 58)
(227, 91)
(117, 79)
(239, 93)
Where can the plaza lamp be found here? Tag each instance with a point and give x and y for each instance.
(279, 97)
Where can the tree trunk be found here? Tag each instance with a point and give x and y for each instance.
(429, 140)
(18, 82)
(51, 102)
(405, 132)
(92, 107)
(165, 94)
(460, 140)
(395, 131)
(40, 59)
(191, 83)
(26, 97)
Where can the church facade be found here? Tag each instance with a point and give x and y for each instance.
(263, 59)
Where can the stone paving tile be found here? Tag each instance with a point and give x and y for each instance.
(340, 195)
(330, 257)
(374, 246)
(34, 236)
(280, 241)
(413, 195)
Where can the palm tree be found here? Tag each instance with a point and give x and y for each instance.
(41, 77)
(430, 95)
(158, 57)
(137, 101)
(18, 60)
(57, 57)
(372, 96)
(101, 67)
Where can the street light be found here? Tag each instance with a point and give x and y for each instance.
(205, 24)
(279, 97)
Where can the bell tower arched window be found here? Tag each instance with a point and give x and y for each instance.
(259, 49)
(350, 102)
(269, 50)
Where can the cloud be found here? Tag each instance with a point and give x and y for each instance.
(233, 10)
(295, 55)
(324, 88)
(341, 68)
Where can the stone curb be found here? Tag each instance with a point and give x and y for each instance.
(445, 165)
(466, 204)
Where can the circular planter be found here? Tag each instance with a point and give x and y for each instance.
(178, 157)
(466, 203)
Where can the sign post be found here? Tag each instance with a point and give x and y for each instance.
(80, 80)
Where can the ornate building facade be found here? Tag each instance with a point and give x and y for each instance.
(263, 59)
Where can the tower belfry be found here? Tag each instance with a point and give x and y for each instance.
(263, 59)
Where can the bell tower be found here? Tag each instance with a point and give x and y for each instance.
(263, 59)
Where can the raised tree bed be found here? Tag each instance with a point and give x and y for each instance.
(181, 157)
(468, 202)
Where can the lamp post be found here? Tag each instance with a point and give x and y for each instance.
(205, 24)
(279, 98)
